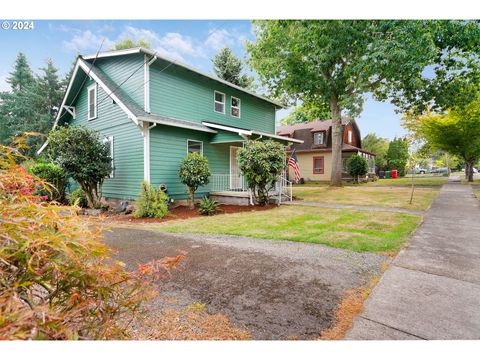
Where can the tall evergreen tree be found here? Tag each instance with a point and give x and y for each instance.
(22, 75)
(397, 155)
(32, 103)
(228, 67)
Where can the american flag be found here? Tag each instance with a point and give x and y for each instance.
(293, 162)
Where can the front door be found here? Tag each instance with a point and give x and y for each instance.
(236, 178)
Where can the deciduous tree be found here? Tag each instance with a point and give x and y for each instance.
(336, 62)
(378, 146)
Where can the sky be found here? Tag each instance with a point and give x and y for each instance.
(193, 42)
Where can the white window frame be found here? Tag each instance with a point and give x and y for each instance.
(109, 139)
(235, 107)
(315, 137)
(350, 136)
(94, 87)
(215, 92)
(197, 141)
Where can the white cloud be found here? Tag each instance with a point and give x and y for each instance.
(172, 44)
(87, 41)
(218, 39)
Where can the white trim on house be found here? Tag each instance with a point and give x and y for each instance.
(236, 177)
(215, 102)
(95, 98)
(235, 107)
(197, 141)
(110, 93)
(278, 137)
(146, 150)
(190, 68)
(176, 124)
(110, 140)
(228, 128)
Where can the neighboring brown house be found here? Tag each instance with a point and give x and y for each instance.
(315, 154)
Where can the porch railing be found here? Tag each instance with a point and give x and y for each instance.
(282, 188)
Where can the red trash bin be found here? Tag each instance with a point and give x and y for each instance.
(394, 174)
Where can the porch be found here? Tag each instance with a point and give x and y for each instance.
(233, 189)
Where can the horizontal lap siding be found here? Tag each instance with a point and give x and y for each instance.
(168, 146)
(128, 144)
(121, 68)
(179, 93)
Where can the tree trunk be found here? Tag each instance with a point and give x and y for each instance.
(192, 199)
(336, 175)
(469, 170)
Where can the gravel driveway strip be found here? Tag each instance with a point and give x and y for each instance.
(274, 289)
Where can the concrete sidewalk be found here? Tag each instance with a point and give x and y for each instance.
(432, 289)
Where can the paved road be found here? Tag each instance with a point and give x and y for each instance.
(432, 289)
(274, 289)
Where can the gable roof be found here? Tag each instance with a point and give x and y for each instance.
(314, 126)
(188, 67)
(133, 111)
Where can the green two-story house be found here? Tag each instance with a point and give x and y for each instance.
(153, 111)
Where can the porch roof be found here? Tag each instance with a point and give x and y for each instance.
(247, 133)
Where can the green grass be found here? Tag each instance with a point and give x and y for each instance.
(407, 181)
(475, 181)
(477, 193)
(371, 231)
(383, 196)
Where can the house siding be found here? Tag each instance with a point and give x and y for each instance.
(121, 68)
(305, 164)
(179, 93)
(128, 143)
(168, 146)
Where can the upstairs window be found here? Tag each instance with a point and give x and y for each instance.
(235, 107)
(319, 138)
(350, 136)
(92, 101)
(194, 146)
(219, 102)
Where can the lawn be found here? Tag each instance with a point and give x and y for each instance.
(371, 231)
(407, 181)
(396, 197)
(477, 193)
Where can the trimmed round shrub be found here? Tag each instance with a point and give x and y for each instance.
(194, 172)
(357, 166)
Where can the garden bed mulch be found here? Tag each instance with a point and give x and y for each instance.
(182, 212)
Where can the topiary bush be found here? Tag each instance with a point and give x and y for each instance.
(151, 202)
(58, 280)
(208, 206)
(357, 166)
(77, 197)
(53, 175)
(261, 162)
(194, 172)
(83, 155)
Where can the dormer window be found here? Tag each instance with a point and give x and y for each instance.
(319, 138)
(92, 101)
(219, 102)
(350, 136)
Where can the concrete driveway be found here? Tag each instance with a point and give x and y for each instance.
(274, 289)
